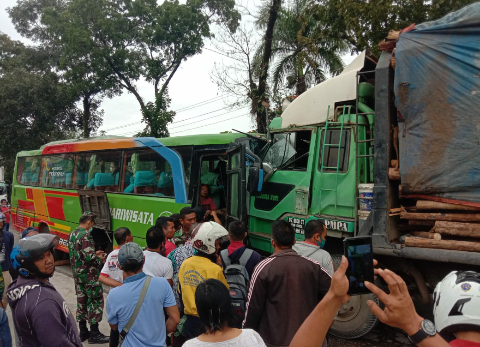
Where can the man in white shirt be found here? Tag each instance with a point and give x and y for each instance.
(156, 265)
(111, 275)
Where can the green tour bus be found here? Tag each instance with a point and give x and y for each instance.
(127, 182)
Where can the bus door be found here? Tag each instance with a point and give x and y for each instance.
(244, 178)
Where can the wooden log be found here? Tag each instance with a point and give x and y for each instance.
(394, 163)
(443, 244)
(394, 174)
(458, 229)
(455, 217)
(435, 205)
(421, 223)
(426, 235)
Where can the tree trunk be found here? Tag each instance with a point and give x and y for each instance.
(301, 85)
(434, 205)
(458, 229)
(426, 235)
(443, 244)
(453, 217)
(264, 66)
(86, 116)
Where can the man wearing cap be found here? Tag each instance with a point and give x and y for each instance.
(86, 265)
(121, 302)
(208, 239)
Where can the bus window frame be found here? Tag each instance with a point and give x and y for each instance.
(38, 184)
(139, 150)
(198, 186)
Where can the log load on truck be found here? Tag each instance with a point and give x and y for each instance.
(388, 149)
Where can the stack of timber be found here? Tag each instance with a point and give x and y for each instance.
(432, 224)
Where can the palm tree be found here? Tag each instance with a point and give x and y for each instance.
(304, 50)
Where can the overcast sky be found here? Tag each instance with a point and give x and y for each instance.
(190, 85)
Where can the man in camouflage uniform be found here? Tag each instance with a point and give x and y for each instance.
(86, 265)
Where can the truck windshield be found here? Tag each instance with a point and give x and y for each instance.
(3, 189)
(281, 151)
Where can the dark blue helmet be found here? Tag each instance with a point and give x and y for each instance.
(28, 251)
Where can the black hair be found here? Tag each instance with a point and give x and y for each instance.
(84, 219)
(176, 221)
(236, 230)
(208, 188)
(154, 237)
(131, 265)
(3, 200)
(214, 306)
(162, 222)
(184, 211)
(283, 233)
(121, 235)
(314, 226)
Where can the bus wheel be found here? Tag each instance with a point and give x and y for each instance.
(354, 318)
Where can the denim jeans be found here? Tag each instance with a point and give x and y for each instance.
(5, 337)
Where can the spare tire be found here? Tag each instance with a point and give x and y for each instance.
(354, 318)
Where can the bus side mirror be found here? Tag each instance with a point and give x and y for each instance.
(255, 180)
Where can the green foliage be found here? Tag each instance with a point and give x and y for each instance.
(36, 107)
(158, 117)
(304, 49)
(364, 24)
(108, 45)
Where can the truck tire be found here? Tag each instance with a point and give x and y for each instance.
(354, 318)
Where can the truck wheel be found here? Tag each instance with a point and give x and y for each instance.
(354, 318)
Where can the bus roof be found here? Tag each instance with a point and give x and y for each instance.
(110, 142)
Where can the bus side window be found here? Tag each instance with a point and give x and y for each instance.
(186, 153)
(57, 171)
(82, 167)
(28, 170)
(103, 170)
(151, 174)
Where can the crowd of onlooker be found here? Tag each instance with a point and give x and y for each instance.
(197, 284)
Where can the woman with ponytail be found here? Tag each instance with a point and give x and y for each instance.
(217, 316)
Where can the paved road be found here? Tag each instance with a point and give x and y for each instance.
(381, 336)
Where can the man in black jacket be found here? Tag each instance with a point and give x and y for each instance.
(40, 314)
(284, 289)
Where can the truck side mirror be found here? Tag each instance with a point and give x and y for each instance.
(255, 180)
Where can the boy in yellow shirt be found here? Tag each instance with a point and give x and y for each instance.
(208, 239)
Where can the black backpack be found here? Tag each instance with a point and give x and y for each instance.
(238, 280)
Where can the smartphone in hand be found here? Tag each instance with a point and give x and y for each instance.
(358, 251)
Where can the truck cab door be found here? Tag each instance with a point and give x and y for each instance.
(236, 185)
(245, 176)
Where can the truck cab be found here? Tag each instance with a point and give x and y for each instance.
(318, 153)
(313, 162)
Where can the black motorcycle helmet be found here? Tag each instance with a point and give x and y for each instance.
(28, 251)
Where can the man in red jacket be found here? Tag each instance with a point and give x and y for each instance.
(284, 289)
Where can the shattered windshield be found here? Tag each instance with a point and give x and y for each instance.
(281, 151)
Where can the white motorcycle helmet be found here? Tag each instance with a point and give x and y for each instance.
(205, 235)
(456, 303)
